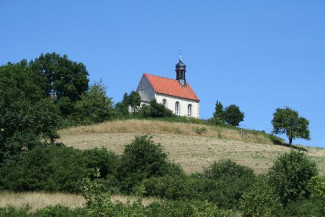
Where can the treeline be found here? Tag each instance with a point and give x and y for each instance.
(288, 189)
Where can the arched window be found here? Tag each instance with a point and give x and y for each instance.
(164, 102)
(177, 109)
(189, 110)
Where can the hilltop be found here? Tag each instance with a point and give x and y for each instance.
(193, 146)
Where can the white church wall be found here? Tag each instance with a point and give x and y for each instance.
(183, 105)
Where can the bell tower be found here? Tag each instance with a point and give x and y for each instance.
(180, 71)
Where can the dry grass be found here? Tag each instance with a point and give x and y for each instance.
(39, 200)
(187, 148)
(162, 127)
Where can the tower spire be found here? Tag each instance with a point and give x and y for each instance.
(180, 70)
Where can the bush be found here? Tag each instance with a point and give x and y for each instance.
(47, 168)
(225, 182)
(155, 110)
(105, 161)
(303, 207)
(260, 200)
(290, 175)
(141, 159)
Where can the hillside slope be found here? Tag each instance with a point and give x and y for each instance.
(193, 146)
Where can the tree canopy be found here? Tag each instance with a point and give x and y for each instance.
(288, 121)
(233, 115)
(61, 76)
(218, 115)
(26, 114)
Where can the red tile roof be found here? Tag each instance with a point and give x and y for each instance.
(171, 87)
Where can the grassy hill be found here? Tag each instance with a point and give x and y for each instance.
(193, 146)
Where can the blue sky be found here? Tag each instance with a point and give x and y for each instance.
(259, 55)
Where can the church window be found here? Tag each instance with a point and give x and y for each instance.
(164, 102)
(177, 109)
(189, 110)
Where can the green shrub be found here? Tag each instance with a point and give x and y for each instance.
(290, 175)
(141, 159)
(155, 110)
(102, 159)
(47, 168)
(303, 207)
(260, 200)
(10, 211)
(225, 182)
(227, 168)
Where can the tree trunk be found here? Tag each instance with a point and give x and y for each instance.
(290, 140)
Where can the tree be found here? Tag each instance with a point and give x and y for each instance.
(134, 100)
(260, 200)
(94, 106)
(218, 115)
(233, 115)
(27, 116)
(287, 121)
(141, 159)
(59, 75)
(290, 175)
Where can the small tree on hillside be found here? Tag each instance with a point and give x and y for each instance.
(134, 100)
(94, 106)
(233, 115)
(287, 121)
(218, 115)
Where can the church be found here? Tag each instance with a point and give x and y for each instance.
(175, 94)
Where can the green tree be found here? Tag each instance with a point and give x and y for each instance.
(233, 115)
(260, 200)
(27, 116)
(317, 186)
(218, 115)
(290, 175)
(134, 100)
(62, 76)
(141, 159)
(94, 106)
(287, 121)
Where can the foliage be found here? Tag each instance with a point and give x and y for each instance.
(103, 160)
(141, 159)
(317, 187)
(155, 110)
(303, 207)
(218, 115)
(47, 168)
(260, 200)
(122, 107)
(98, 201)
(26, 116)
(233, 115)
(287, 121)
(58, 74)
(94, 106)
(227, 168)
(131, 100)
(225, 182)
(134, 100)
(290, 175)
